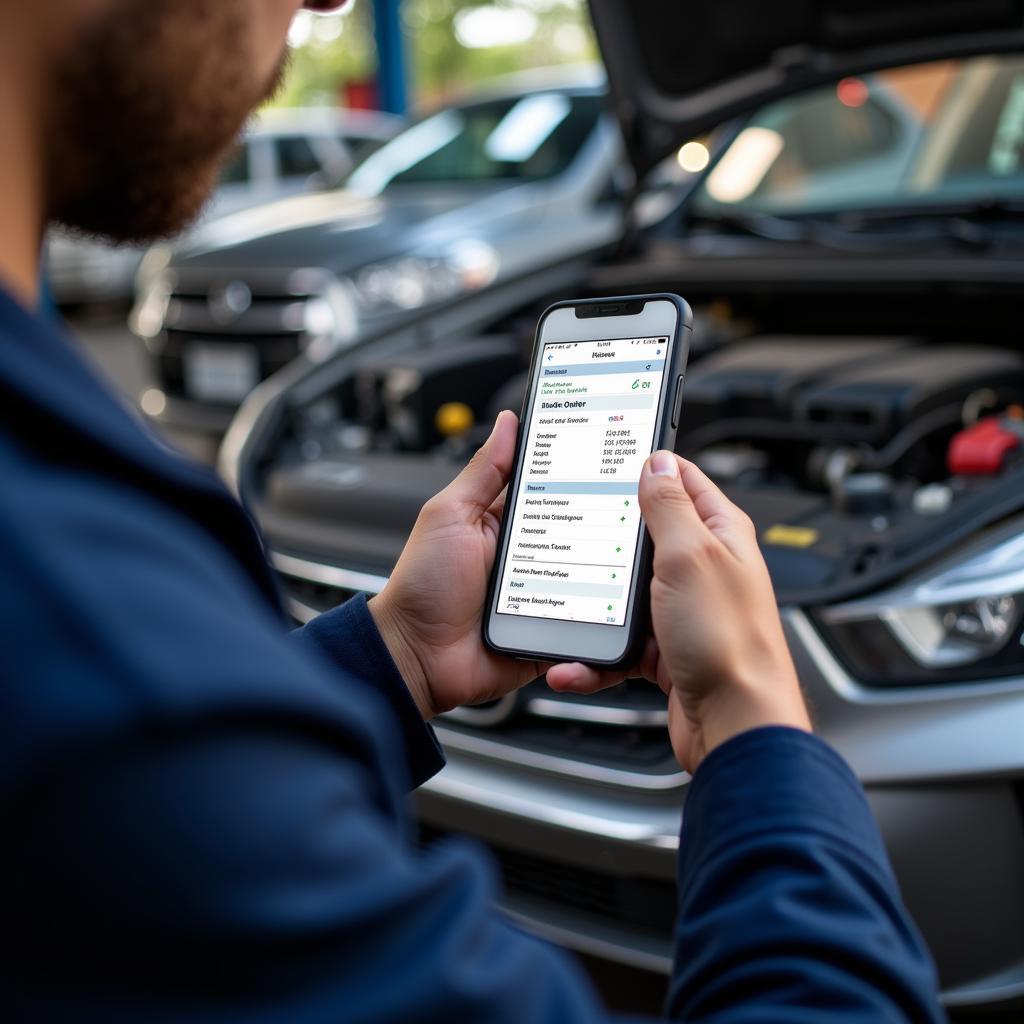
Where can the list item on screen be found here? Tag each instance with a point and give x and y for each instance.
(576, 523)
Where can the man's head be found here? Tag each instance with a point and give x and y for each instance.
(144, 99)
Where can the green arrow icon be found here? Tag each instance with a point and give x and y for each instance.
(622, 519)
(618, 550)
(626, 502)
(615, 576)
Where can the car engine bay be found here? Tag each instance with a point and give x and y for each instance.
(857, 455)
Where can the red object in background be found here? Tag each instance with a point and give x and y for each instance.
(982, 449)
(360, 95)
(852, 92)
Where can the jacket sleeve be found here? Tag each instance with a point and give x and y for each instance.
(789, 908)
(350, 638)
(246, 872)
(205, 819)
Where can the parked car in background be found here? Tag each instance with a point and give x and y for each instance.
(285, 152)
(481, 191)
(856, 385)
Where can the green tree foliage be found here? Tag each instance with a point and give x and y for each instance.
(330, 53)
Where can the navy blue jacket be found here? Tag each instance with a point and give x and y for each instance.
(204, 815)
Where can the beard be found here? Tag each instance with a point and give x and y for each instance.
(149, 100)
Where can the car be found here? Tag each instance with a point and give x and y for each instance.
(284, 152)
(856, 385)
(480, 190)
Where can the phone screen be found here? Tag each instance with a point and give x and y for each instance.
(575, 529)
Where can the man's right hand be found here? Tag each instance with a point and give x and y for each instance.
(722, 657)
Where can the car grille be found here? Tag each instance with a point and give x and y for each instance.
(644, 904)
(616, 737)
(274, 322)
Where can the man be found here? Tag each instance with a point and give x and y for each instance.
(205, 815)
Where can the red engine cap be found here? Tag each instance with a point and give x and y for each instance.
(981, 449)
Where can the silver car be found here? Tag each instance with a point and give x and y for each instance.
(482, 190)
(854, 253)
(285, 152)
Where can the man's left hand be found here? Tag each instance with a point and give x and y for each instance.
(431, 612)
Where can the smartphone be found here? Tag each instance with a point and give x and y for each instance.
(572, 573)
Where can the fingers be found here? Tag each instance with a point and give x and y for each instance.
(573, 677)
(667, 507)
(680, 504)
(725, 520)
(478, 486)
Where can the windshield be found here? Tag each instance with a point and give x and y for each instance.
(519, 138)
(947, 132)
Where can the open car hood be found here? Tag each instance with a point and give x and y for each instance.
(678, 68)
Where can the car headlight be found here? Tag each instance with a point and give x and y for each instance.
(414, 281)
(960, 622)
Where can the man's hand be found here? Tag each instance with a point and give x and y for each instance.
(721, 657)
(431, 612)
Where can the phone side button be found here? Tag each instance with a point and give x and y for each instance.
(677, 402)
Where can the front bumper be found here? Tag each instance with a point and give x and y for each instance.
(587, 844)
(585, 860)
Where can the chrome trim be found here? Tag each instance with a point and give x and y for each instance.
(600, 714)
(584, 942)
(300, 611)
(244, 423)
(486, 717)
(532, 809)
(493, 750)
(279, 316)
(1004, 987)
(328, 575)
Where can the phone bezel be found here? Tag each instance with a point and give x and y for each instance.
(585, 320)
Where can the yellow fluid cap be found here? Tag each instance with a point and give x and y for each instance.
(454, 418)
(791, 536)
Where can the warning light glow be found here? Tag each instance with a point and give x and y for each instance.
(852, 92)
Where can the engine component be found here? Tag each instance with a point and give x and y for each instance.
(932, 499)
(377, 495)
(984, 448)
(828, 465)
(415, 389)
(875, 399)
(863, 494)
(759, 379)
(453, 419)
(733, 464)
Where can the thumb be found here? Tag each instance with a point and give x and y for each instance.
(667, 508)
(479, 484)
